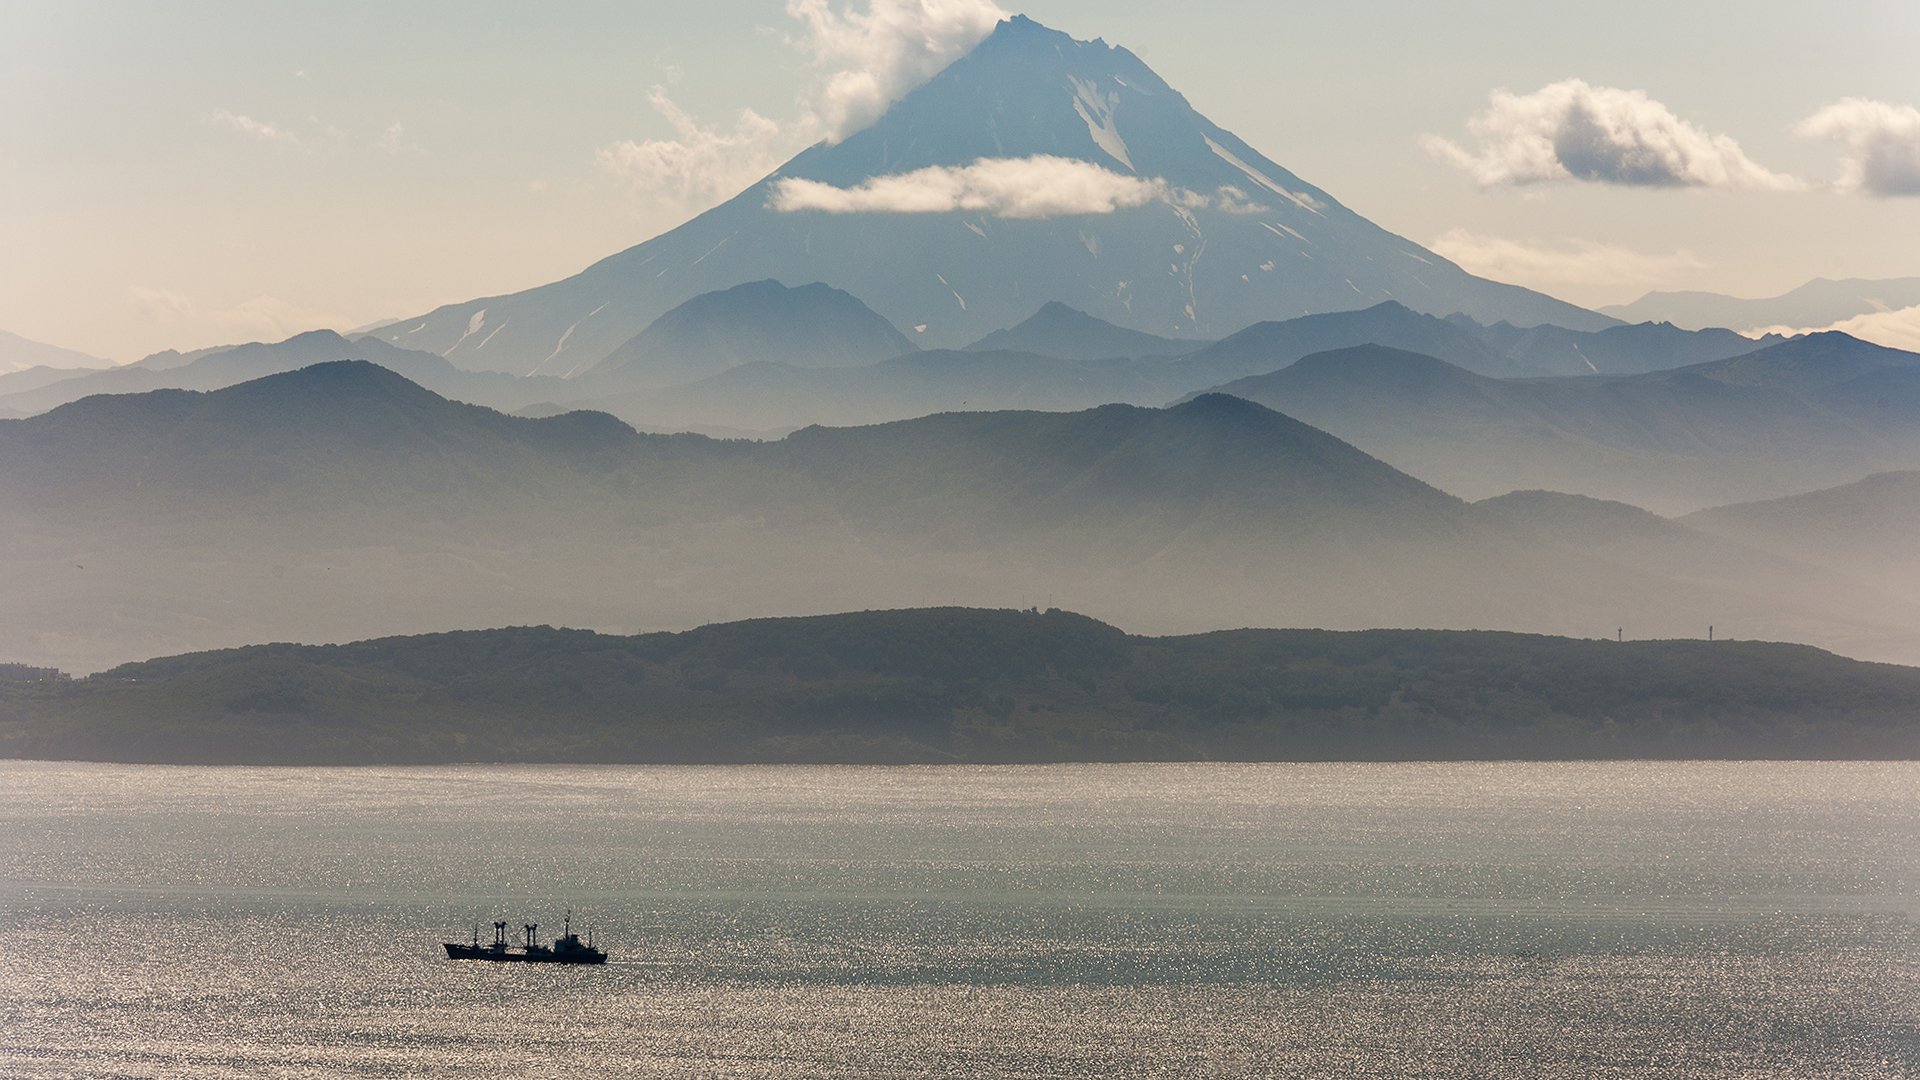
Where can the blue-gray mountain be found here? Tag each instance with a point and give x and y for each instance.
(18, 354)
(342, 501)
(806, 326)
(1867, 527)
(213, 369)
(1806, 413)
(1276, 248)
(1064, 359)
(1820, 302)
(1068, 333)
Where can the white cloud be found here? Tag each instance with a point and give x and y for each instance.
(1897, 329)
(866, 58)
(873, 56)
(162, 305)
(247, 125)
(1041, 186)
(1566, 262)
(701, 165)
(1232, 200)
(1883, 144)
(395, 141)
(1573, 131)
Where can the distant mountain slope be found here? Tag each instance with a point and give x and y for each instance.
(18, 354)
(778, 397)
(341, 501)
(959, 685)
(33, 378)
(1810, 411)
(334, 433)
(806, 326)
(217, 368)
(1820, 302)
(1199, 262)
(1070, 334)
(1269, 346)
(1617, 350)
(1140, 478)
(1867, 529)
(782, 397)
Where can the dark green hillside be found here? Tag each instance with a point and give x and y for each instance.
(956, 684)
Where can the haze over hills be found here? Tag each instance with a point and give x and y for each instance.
(1811, 411)
(18, 354)
(805, 326)
(1214, 236)
(1868, 528)
(775, 335)
(1820, 302)
(1071, 334)
(342, 501)
(1618, 350)
(779, 397)
(213, 369)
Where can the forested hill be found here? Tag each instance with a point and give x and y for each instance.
(944, 685)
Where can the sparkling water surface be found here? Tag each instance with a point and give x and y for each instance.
(1549, 920)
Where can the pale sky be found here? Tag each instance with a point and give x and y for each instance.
(189, 174)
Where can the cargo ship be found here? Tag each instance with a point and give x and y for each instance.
(568, 949)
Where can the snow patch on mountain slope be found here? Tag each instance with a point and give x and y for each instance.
(1096, 109)
(1279, 230)
(957, 298)
(490, 333)
(1301, 200)
(474, 326)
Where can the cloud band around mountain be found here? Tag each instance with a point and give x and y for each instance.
(1574, 131)
(1883, 144)
(1041, 186)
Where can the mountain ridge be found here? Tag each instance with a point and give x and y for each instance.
(812, 325)
(1025, 92)
(1067, 333)
(342, 501)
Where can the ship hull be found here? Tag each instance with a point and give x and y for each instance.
(457, 951)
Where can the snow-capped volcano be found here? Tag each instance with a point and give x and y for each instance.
(1035, 168)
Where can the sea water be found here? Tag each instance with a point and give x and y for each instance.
(1511, 920)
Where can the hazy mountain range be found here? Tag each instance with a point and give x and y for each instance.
(1810, 412)
(806, 326)
(342, 501)
(1068, 333)
(1820, 302)
(18, 354)
(772, 345)
(1679, 420)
